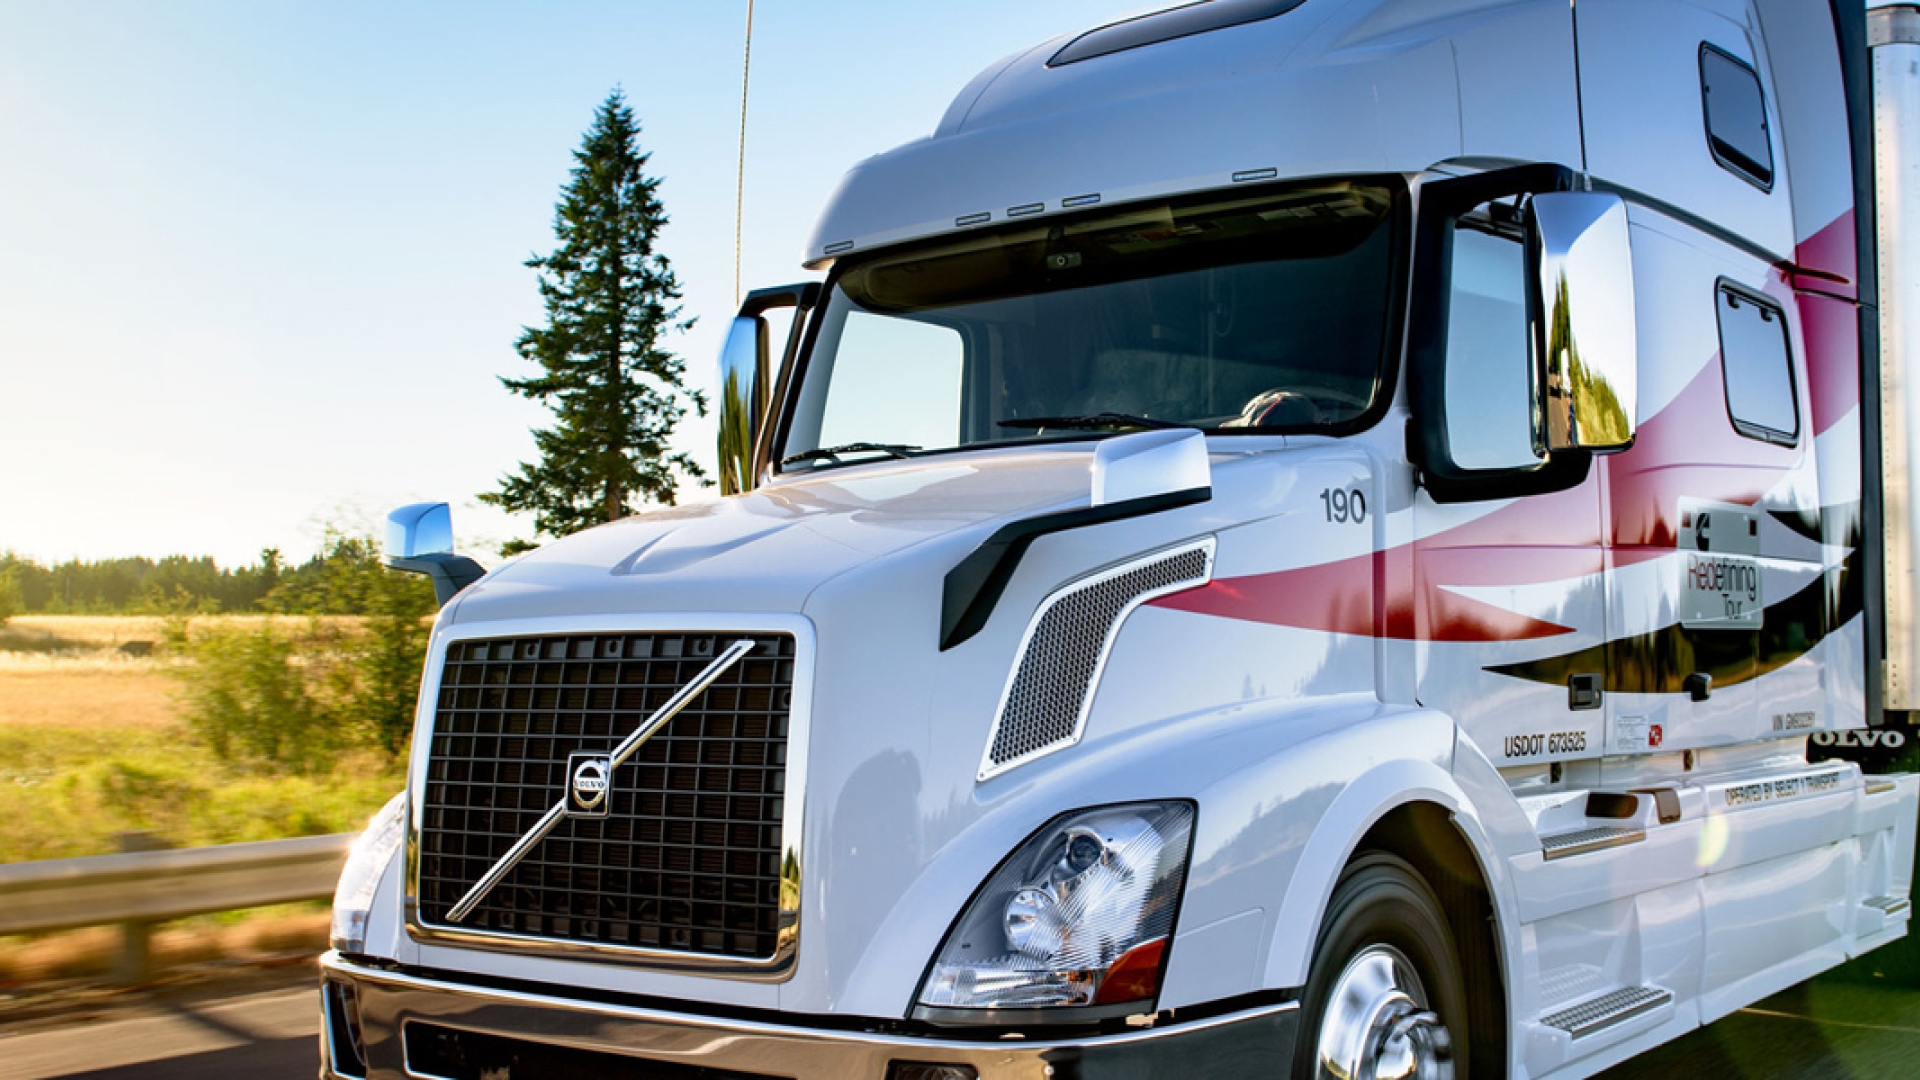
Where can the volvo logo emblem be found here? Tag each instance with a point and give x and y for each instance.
(588, 778)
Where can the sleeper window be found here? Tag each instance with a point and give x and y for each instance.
(1758, 367)
(1736, 114)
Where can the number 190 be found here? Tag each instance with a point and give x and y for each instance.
(1344, 506)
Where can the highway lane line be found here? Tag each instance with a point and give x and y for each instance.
(1833, 1023)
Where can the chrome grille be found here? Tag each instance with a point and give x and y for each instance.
(688, 857)
(1059, 663)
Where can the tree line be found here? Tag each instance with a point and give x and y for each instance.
(194, 585)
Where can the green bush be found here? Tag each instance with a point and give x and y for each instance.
(67, 793)
(252, 696)
(275, 699)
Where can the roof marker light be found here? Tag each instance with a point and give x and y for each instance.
(1025, 208)
(973, 219)
(1255, 174)
(1080, 200)
(838, 247)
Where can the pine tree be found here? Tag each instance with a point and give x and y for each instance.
(615, 391)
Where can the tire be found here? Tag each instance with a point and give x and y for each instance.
(1385, 997)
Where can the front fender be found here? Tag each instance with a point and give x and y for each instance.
(1285, 792)
(1274, 837)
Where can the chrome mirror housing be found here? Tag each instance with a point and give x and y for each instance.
(743, 394)
(420, 541)
(418, 530)
(1586, 333)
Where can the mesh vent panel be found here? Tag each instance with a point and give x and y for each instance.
(688, 857)
(1056, 671)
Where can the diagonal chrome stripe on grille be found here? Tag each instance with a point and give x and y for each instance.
(621, 753)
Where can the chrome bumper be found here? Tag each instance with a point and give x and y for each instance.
(1251, 1043)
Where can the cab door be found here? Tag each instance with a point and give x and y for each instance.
(1509, 601)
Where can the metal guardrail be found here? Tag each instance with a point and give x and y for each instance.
(152, 886)
(140, 888)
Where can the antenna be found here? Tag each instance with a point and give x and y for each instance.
(740, 182)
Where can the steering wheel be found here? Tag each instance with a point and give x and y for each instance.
(1359, 402)
(1295, 406)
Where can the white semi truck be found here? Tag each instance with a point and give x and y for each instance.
(1331, 538)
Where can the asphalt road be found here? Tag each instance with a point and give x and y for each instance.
(1834, 1028)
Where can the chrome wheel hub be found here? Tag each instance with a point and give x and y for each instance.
(1377, 1025)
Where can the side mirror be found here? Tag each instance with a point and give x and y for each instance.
(1584, 272)
(1521, 348)
(747, 379)
(743, 395)
(419, 530)
(420, 541)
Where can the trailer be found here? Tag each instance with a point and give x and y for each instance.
(1331, 538)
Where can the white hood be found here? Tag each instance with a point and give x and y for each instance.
(768, 550)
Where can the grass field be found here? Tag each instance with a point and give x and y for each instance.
(85, 693)
(91, 745)
(68, 633)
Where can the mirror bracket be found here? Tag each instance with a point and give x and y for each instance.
(449, 573)
(749, 385)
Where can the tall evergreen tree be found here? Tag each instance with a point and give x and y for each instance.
(615, 391)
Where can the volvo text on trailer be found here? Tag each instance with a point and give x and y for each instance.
(1351, 538)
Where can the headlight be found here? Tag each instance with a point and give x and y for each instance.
(366, 864)
(1079, 915)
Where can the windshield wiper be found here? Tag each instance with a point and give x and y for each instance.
(892, 450)
(1095, 422)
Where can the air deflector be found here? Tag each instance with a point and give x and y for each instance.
(1167, 25)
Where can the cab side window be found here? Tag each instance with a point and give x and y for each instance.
(1758, 365)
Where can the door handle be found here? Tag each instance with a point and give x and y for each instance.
(1583, 691)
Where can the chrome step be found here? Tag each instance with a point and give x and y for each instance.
(1581, 841)
(1613, 1007)
(1888, 905)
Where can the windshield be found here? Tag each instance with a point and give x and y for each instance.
(1261, 313)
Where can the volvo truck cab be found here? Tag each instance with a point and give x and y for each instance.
(1332, 538)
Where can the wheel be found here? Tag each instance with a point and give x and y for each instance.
(1385, 999)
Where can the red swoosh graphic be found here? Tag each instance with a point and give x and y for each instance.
(1688, 449)
(1832, 257)
(1544, 538)
(1338, 597)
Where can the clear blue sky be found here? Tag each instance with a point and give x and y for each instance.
(261, 262)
